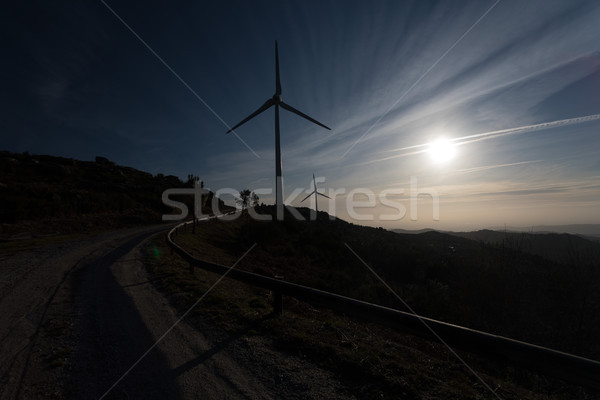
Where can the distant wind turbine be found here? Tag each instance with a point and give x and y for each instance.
(277, 102)
(316, 193)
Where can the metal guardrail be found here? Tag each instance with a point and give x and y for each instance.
(572, 368)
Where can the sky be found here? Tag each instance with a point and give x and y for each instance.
(508, 91)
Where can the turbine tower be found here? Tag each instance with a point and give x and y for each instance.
(317, 194)
(277, 102)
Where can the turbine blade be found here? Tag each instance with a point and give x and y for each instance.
(277, 82)
(324, 195)
(262, 108)
(308, 196)
(292, 109)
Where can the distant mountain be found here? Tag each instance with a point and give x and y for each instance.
(591, 230)
(413, 232)
(573, 229)
(559, 243)
(560, 247)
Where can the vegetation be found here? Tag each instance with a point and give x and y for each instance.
(247, 199)
(47, 195)
(494, 288)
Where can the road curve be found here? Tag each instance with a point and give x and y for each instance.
(92, 301)
(38, 311)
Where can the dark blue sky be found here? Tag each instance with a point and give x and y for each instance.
(385, 76)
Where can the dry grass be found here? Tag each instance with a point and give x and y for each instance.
(371, 361)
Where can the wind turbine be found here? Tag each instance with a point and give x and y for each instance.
(317, 194)
(277, 102)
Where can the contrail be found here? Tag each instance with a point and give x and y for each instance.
(522, 129)
(487, 167)
(502, 132)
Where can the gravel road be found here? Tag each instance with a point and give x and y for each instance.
(76, 316)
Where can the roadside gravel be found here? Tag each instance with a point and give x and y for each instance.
(77, 315)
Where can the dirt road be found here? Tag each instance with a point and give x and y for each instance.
(76, 316)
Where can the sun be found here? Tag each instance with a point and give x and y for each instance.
(441, 150)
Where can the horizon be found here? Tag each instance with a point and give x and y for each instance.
(489, 109)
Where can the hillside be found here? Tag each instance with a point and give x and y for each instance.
(43, 194)
(501, 290)
(560, 247)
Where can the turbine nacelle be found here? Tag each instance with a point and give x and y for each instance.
(276, 99)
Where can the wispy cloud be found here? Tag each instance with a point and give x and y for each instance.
(488, 167)
(421, 77)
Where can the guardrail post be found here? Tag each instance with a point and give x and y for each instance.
(194, 225)
(277, 300)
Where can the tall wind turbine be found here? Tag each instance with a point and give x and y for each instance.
(277, 102)
(317, 194)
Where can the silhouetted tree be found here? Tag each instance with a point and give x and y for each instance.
(247, 199)
(193, 180)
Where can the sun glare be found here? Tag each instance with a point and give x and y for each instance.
(441, 150)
